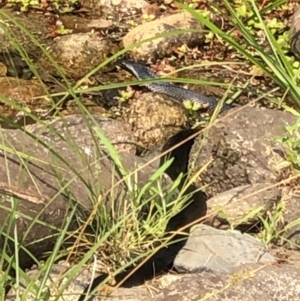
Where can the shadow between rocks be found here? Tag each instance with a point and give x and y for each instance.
(163, 259)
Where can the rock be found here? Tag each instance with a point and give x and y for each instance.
(242, 205)
(25, 94)
(76, 130)
(292, 257)
(154, 118)
(290, 235)
(219, 251)
(160, 47)
(240, 149)
(59, 277)
(78, 23)
(249, 283)
(37, 188)
(295, 33)
(76, 54)
(77, 284)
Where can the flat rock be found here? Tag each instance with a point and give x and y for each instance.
(219, 251)
(242, 206)
(160, 47)
(249, 283)
(59, 276)
(240, 149)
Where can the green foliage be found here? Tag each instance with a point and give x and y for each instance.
(272, 224)
(190, 105)
(273, 63)
(126, 95)
(291, 144)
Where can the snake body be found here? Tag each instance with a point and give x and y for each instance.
(143, 72)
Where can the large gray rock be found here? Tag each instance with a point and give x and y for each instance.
(249, 283)
(240, 149)
(219, 251)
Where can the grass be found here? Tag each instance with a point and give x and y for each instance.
(277, 65)
(117, 233)
(121, 232)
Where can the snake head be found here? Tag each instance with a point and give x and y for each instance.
(138, 70)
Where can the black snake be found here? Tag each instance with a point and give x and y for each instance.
(143, 72)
